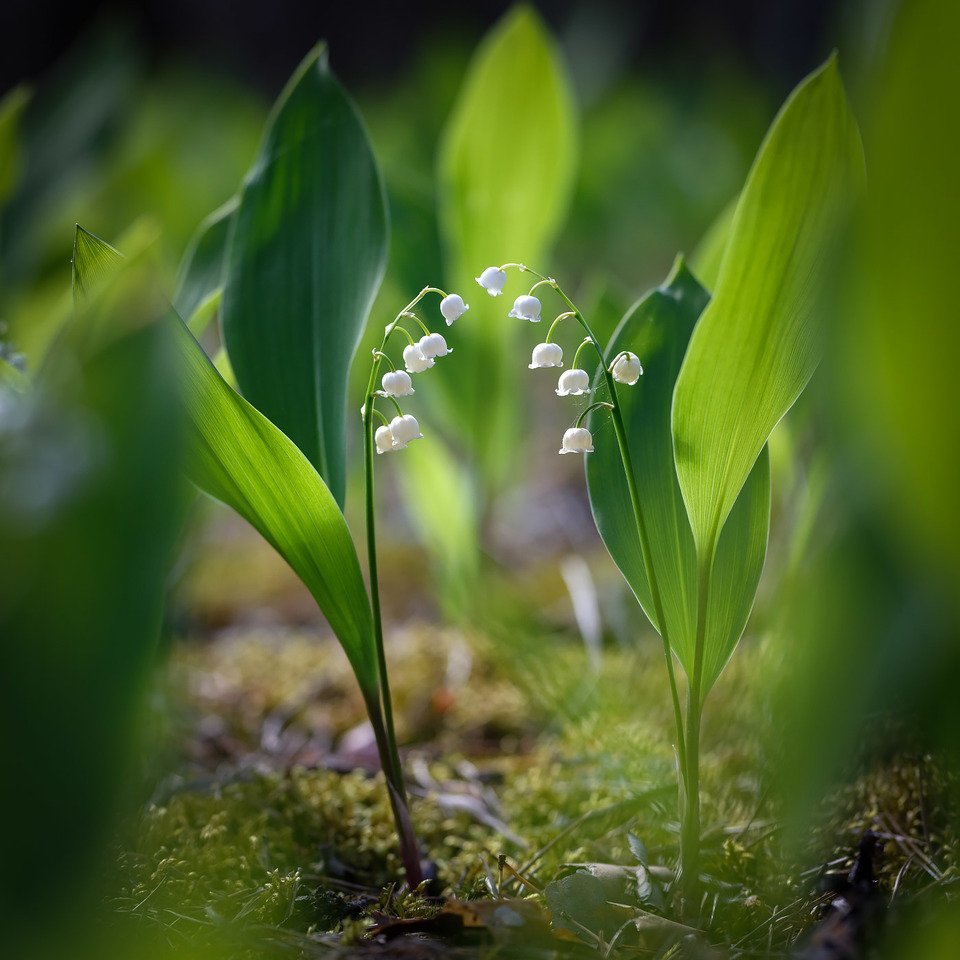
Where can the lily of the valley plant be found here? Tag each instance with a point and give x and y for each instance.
(682, 497)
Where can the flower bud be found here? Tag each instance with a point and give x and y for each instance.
(577, 440)
(383, 438)
(492, 280)
(526, 308)
(396, 383)
(451, 307)
(573, 383)
(404, 429)
(546, 355)
(414, 359)
(433, 345)
(627, 369)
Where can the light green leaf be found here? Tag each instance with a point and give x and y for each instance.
(238, 456)
(507, 157)
(440, 494)
(757, 343)
(506, 169)
(658, 329)
(305, 260)
(200, 281)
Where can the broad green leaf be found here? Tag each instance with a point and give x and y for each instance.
(506, 168)
(237, 455)
(305, 259)
(200, 281)
(658, 329)
(11, 107)
(757, 343)
(507, 157)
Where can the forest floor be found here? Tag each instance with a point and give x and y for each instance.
(543, 791)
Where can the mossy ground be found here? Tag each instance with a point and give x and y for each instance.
(261, 828)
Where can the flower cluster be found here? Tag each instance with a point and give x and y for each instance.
(418, 356)
(625, 367)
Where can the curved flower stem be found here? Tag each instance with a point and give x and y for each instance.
(373, 409)
(588, 341)
(396, 328)
(593, 406)
(381, 710)
(616, 416)
(417, 321)
(553, 326)
(690, 826)
(613, 362)
(548, 281)
(380, 355)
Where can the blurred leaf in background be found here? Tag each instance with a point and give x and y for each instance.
(90, 510)
(874, 623)
(105, 142)
(506, 168)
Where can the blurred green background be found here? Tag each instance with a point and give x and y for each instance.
(140, 123)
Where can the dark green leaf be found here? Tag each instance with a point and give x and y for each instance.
(200, 282)
(305, 261)
(658, 329)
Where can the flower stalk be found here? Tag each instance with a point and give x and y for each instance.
(688, 736)
(394, 435)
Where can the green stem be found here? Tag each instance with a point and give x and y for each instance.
(690, 822)
(590, 409)
(590, 341)
(645, 551)
(382, 721)
(553, 326)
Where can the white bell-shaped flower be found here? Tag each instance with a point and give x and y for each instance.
(573, 383)
(546, 355)
(396, 383)
(404, 429)
(627, 369)
(383, 438)
(526, 308)
(414, 359)
(433, 345)
(577, 440)
(493, 280)
(451, 307)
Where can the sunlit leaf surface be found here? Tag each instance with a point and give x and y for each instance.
(757, 344)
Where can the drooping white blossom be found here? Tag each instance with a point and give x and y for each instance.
(573, 383)
(396, 383)
(452, 307)
(383, 438)
(627, 369)
(404, 429)
(526, 308)
(414, 359)
(577, 440)
(493, 280)
(546, 355)
(433, 345)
